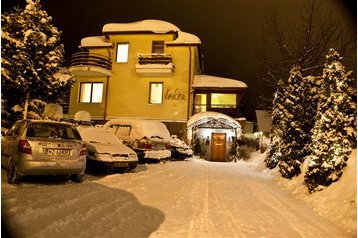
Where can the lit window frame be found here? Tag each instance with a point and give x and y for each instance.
(117, 51)
(212, 94)
(150, 93)
(91, 94)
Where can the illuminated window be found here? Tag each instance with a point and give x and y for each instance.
(91, 92)
(157, 46)
(200, 103)
(223, 100)
(156, 93)
(122, 52)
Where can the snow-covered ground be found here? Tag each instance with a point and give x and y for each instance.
(193, 198)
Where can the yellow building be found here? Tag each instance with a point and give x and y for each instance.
(142, 69)
(148, 69)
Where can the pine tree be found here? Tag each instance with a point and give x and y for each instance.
(278, 127)
(31, 55)
(295, 138)
(334, 133)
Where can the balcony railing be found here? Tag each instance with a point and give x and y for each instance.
(155, 58)
(90, 64)
(84, 58)
(156, 64)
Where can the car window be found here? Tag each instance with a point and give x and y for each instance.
(52, 130)
(16, 129)
(121, 131)
(96, 135)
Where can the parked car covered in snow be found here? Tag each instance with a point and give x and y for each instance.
(179, 149)
(105, 152)
(150, 139)
(41, 147)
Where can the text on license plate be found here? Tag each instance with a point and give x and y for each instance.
(120, 164)
(57, 152)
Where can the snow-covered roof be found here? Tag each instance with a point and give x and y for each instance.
(203, 117)
(184, 38)
(155, 26)
(95, 41)
(205, 81)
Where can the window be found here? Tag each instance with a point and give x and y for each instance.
(122, 52)
(156, 93)
(52, 130)
(223, 100)
(200, 103)
(157, 46)
(91, 92)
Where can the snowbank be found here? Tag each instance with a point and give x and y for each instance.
(338, 202)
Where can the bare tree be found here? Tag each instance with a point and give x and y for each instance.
(303, 44)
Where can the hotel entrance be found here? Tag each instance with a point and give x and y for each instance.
(218, 147)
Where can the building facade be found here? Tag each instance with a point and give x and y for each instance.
(142, 69)
(150, 70)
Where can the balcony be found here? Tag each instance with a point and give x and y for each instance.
(155, 65)
(89, 64)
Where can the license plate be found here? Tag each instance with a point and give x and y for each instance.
(119, 164)
(57, 152)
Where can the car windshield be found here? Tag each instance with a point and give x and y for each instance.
(52, 130)
(96, 135)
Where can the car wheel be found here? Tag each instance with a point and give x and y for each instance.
(77, 178)
(12, 176)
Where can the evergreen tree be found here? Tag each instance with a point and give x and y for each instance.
(334, 133)
(278, 126)
(295, 138)
(31, 55)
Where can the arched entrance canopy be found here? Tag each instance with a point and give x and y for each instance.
(213, 120)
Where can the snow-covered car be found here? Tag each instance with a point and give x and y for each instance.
(150, 139)
(105, 152)
(41, 147)
(179, 149)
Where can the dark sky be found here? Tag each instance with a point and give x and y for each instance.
(231, 31)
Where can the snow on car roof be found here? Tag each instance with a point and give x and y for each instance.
(142, 128)
(205, 81)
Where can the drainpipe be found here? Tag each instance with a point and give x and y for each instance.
(189, 86)
(106, 100)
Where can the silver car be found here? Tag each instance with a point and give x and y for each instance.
(40, 147)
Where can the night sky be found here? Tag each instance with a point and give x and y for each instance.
(231, 31)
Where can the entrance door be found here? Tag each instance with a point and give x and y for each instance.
(218, 147)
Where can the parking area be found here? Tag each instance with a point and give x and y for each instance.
(192, 198)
